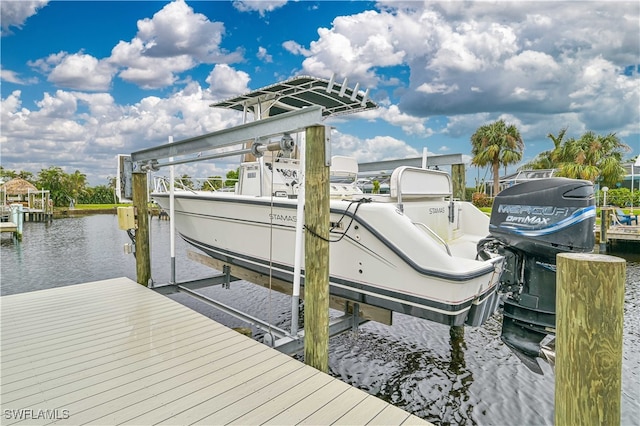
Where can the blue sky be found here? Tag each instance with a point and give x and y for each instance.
(85, 80)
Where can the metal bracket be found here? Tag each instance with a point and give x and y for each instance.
(226, 270)
(327, 146)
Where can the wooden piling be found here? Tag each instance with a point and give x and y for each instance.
(316, 283)
(605, 221)
(140, 203)
(589, 314)
(458, 181)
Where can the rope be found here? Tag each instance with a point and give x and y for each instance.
(358, 203)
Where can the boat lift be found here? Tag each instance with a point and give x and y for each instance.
(295, 104)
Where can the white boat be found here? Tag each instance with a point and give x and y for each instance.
(413, 250)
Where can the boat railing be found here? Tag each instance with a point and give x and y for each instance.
(435, 236)
(216, 183)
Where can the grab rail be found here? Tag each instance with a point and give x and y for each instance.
(435, 236)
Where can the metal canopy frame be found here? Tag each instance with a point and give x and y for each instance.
(302, 92)
(289, 122)
(432, 160)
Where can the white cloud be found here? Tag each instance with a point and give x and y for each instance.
(437, 88)
(295, 48)
(85, 131)
(81, 72)
(353, 47)
(264, 55)
(175, 40)
(225, 82)
(176, 30)
(13, 77)
(411, 125)
(260, 6)
(472, 57)
(147, 72)
(371, 149)
(15, 13)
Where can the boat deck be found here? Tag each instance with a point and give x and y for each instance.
(115, 352)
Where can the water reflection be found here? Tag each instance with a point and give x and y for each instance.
(459, 393)
(444, 375)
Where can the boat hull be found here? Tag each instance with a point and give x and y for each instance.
(392, 267)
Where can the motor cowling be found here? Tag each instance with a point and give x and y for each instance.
(530, 224)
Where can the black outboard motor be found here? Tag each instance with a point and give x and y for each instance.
(530, 224)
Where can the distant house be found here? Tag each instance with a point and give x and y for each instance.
(632, 175)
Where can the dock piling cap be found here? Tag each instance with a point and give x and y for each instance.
(592, 257)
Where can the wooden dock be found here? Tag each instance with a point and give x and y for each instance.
(624, 233)
(114, 352)
(621, 233)
(8, 227)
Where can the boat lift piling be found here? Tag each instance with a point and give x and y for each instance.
(316, 324)
(140, 200)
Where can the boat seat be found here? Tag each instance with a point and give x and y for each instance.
(414, 182)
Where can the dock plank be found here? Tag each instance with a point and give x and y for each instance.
(278, 403)
(115, 352)
(244, 402)
(68, 371)
(338, 407)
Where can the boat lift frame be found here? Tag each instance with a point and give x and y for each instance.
(258, 131)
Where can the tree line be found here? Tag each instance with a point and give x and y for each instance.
(72, 188)
(591, 157)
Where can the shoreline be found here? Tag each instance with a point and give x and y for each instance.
(62, 212)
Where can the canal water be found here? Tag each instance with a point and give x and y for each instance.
(414, 364)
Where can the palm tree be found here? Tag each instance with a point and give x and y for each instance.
(548, 159)
(496, 144)
(591, 157)
(76, 184)
(594, 156)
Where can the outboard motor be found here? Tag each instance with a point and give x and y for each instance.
(530, 224)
